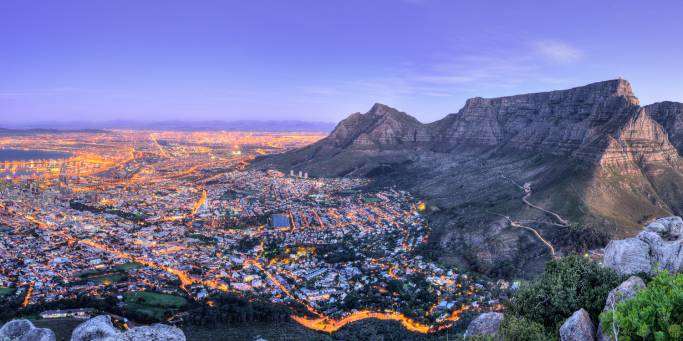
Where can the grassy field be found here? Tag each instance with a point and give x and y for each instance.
(6, 291)
(108, 279)
(155, 299)
(153, 304)
(128, 266)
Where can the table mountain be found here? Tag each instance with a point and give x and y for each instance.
(590, 154)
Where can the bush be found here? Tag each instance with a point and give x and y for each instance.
(581, 238)
(655, 313)
(521, 329)
(566, 285)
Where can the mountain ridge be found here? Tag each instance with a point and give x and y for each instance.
(591, 153)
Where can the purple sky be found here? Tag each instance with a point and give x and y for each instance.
(320, 60)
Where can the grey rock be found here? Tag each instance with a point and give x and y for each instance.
(660, 246)
(485, 324)
(96, 328)
(578, 327)
(100, 328)
(626, 290)
(670, 226)
(15, 329)
(24, 330)
(39, 334)
(628, 256)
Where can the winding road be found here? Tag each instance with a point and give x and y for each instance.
(561, 221)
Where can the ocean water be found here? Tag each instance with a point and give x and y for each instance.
(25, 155)
(9, 155)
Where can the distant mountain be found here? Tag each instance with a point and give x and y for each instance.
(23, 132)
(242, 125)
(591, 154)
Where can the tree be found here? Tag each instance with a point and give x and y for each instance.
(521, 329)
(654, 313)
(566, 285)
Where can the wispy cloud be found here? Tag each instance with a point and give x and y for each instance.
(452, 76)
(558, 51)
(502, 68)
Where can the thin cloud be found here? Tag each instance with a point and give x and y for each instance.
(557, 51)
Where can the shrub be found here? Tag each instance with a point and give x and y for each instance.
(566, 285)
(521, 329)
(655, 313)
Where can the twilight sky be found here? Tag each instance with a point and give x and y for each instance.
(98, 60)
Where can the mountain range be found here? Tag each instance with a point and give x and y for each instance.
(590, 155)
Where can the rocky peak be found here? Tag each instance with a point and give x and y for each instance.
(381, 109)
(616, 87)
(380, 127)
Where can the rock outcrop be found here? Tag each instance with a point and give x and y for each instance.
(24, 330)
(660, 246)
(624, 291)
(96, 328)
(670, 116)
(485, 324)
(100, 328)
(578, 327)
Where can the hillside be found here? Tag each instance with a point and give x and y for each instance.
(591, 154)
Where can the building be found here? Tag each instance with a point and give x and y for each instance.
(82, 313)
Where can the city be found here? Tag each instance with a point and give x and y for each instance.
(183, 215)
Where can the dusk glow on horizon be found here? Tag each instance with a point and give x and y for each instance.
(319, 61)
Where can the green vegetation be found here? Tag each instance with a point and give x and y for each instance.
(6, 291)
(155, 299)
(567, 285)
(128, 266)
(106, 276)
(135, 217)
(521, 329)
(583, 237)
(655, 313)
(153, 305)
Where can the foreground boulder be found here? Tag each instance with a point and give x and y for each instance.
(578, 327)
(626, 290)
(660, 246)
(96, 328)
(100, 328)
(485, 324)
(24, 330)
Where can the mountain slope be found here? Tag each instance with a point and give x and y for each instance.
(590, 153)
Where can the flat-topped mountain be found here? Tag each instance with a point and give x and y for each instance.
(591, 154)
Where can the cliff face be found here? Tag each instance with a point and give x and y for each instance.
(591, 153)
(574, 122)
(558, 122)
(670, 116)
